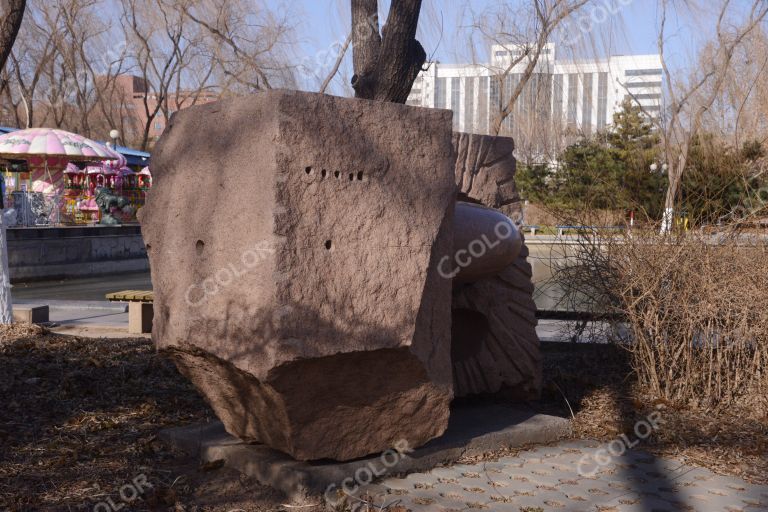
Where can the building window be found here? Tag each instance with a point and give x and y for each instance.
(557, 99)
(642, 85)
(440, 93)
(510, 82)
(456, 101)
(643, 96)
(501, 53)
(573, 92)
(495, 103)
(586, 104)
(642, 72)
(602, 100)
(158, 126)
(483, 119)
(469, 105)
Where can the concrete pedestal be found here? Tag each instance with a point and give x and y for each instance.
(472, 431)
(30, 314)
(140, 315)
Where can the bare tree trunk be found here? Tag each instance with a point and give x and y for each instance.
(386, 64)
(9, 29)
(675, 175)
(6, 304)
(13, 11)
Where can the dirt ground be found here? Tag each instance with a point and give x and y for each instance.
(80, 418)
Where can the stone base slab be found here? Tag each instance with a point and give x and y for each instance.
(472, 431)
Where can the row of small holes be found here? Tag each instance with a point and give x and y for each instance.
(336, 174)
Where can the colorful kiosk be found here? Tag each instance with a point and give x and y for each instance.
(62, 171)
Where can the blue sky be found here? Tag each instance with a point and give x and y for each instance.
(324, 23)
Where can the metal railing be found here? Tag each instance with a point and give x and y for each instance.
(68, 208)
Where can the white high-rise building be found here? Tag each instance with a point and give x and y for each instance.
(562, 98)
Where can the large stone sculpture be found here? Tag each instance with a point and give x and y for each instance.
(495, 346)
(294, 241)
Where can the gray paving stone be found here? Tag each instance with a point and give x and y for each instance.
(549, 479)
(549, 501)
(398, 484)
(443, 473)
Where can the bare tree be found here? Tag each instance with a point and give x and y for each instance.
(386, 63)
(740, 113)
(159, 49)
(13, 14)
(250, 46)
(524, 35)
(689, 101)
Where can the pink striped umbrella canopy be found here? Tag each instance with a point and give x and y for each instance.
(116, 164)
(23, 144)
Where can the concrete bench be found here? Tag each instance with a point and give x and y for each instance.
(140, 309)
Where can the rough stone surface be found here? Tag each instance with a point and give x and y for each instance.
(293, 241)
(473, 431)
(486, 242)
(494, 346)
(485, 172)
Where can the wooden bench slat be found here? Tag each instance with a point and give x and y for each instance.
(131, 296)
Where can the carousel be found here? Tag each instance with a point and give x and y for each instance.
(56, 174)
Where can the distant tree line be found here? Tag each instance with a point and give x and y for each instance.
(63, 70)
(623, 169)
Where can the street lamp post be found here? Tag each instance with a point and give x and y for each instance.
(114, 135)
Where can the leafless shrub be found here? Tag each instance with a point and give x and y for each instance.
(694, 309)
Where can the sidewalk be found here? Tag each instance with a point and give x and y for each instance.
(94, 319)
(571, 476)
(106, 319)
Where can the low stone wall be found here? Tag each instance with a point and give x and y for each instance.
(66, 252)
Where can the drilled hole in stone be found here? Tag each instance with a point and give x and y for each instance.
(328, 244)
(308, 170)
(336, 174)
(199, 246)
(360, 176)
(351, 176)
(323, 173)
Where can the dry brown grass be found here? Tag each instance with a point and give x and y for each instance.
(602, 389)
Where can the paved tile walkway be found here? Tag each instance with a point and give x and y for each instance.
(572, 476)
